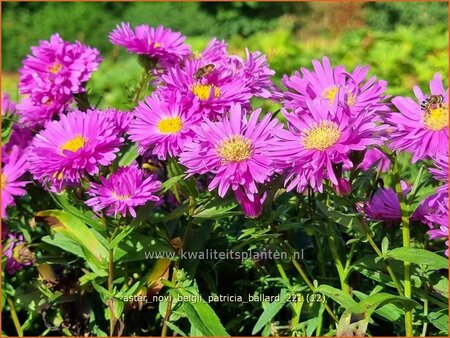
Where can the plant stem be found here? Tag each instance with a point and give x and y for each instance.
(380, 254)
(144, 79)
(14, 317)
(337, 261)
(425, 314)
(110, 290)
(406, 243)
(183, 243)
(302, 273)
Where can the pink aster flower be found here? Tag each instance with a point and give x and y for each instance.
(77, 145)
(51, 75)
(122, 191)
(251, 208)
(163, 45)
(439, 222)
(424, 133)
(375, 158)
(8, 106)
(319, 138)
(440, 172)
(20, 138)
(12, 171)
(235, 150)
(324, 81)
(17, 253)
(163, 124)
(216, 91)
(121, 119)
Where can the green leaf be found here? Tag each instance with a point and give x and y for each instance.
(372, 302)
(337, 295)
(270, 312)
(171, 182)
(201, 315)
(121, 236)
(217, 209)
(419, 256)
(384, 244)
(87, 216)
(62, 242)
(440, 320)
(66, 224)
(129, 156)
(349, 221)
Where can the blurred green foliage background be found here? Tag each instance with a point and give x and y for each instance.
(404, 43)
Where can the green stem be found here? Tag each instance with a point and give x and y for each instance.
(183, 243)
(337, 261)
(302, 273)
(144, 79)
(406, 243)
(425, 315)
(14, 317)
(112, 319)
(380, 254)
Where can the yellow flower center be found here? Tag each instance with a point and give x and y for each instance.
(2, 181)
(55, 68)
(203, 92)
(330, 94)
(351, 99)
(322, 136)
(74, 144)
(437, 118)
(170, 125)
(157, 44)
(236, 148)
(121, 197)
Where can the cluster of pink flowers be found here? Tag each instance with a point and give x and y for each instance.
(50, 77)
(201, 114)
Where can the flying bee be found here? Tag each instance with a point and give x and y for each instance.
(203, 71)
(430, 101)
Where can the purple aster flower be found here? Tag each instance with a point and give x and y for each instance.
(51, 75)
(375, 158)
(68, 149)
(216, 91)
(163, 124)
(11, 186)
(163, 45)
(17, 253)
(324, 83)
(251, 208)
(439, 222)
(319, 138)
(122, 191)
(121, 119)
(215, 52)
(440, 172)
(383, 205)
(424, 133)
(8, 106)
(235, 150)
(20, 137)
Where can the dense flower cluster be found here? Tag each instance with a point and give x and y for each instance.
(200, 115)
(50, 77)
